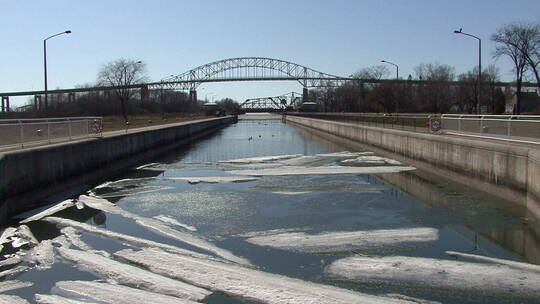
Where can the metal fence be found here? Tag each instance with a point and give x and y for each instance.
(410, 122)
(25, 132)
(508, 127)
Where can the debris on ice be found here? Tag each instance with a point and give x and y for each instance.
(42, 255)
(52, 210)
(170, 220)
(299, 170)
(132, 276)
(114, 294)
(54, 299)
(512, 264)
(260, 159)
(446, 274)
(8, 299)
(343, 240)
(190, 239)
(216, 179)
(119, 236)
(13, 284)
(250, 284)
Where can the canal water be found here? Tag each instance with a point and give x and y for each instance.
(265, 220)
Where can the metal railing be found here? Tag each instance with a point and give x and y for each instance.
(15, 133)
(410, 122)
(507, 127)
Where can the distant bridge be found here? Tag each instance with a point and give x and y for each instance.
(270, 104)
(233, 69)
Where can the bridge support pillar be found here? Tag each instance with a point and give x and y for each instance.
(71, 97)
(305, 97)
(5, 102)
(37, 102)
(193, 95)
(144, 93)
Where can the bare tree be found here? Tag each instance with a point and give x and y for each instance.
(122, 73)
(435, 95)
(509, 43)
(376, 72)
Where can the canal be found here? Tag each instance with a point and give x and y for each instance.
(282, 203)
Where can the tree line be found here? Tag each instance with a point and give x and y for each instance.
(437, 88)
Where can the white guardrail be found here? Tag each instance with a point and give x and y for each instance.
(16, 133)
(518, 128)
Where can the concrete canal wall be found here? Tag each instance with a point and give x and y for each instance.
(506, 165)
(29, 176)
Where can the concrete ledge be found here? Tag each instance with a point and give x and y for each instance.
(514, 167)
(29, 176)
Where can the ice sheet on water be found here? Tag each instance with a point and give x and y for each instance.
(512, 264)
(132, 276)
(8, 299)
(54, 299)
(119, 236)
(250, 284)
(50, 211)
(344, 240)
(13, 284)
(260, 159)
(371, 159)
(495, 279)
(299, 170)
(216, 179)
(190, 239)
(114, 294)
(170, 220)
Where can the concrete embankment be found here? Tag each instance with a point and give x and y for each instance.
(502, 165)
(29, 176)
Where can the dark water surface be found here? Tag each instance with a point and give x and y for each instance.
(467, 220)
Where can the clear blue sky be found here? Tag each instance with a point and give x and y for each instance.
(172, 36)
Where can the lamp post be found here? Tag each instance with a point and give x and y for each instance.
(45, 61)
(460, 31)
(397, 78)
(397, 67)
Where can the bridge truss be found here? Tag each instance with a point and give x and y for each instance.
(269, 104)
(250, 69)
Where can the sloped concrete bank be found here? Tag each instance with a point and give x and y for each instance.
(502, 165)
(29, 176)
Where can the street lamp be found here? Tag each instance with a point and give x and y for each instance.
(45, 61)
(479, 66)
(397, 67)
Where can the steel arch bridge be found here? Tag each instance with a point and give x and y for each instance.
(249, 69)
(270, 104)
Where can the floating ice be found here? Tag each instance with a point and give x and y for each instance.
(119, 236)
(146, 166)
(25, 233)
(11, 261)
(7, 299)
(52, 210)
(13, 284)
(7, 234)
(132, 276)
(216, 179)
(512, 264)
(446, 274)
(260, 159)
(114, 294)
(13, 270)
(250, 284)
(340, 241)
(371, 159)
(299, 170)
(105, 205)
(345, 154)
(74, 238)
(54, 299)
(170, 220)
